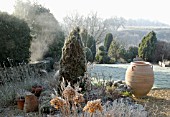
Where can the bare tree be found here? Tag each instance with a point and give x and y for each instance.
(95, 26)
(115, 23)
(71, 21)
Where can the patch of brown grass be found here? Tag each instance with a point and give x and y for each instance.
(157, 102)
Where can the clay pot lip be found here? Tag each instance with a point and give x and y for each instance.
(20, 98)
(140, 63)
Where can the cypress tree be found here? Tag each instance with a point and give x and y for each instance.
(73, 61)
(114, 50)
(147, 46)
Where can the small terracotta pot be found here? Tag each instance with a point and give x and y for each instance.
(20, 103)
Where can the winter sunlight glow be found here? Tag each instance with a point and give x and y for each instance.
(154, 10)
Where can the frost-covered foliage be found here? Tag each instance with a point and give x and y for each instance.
(124, 107)
(73, 61)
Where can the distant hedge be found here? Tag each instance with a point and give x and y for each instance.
(15, 39)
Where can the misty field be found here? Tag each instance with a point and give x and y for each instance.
(117, 72)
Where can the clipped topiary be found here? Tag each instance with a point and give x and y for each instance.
(108, 40)
(91, 43)
(88, 41)
(101, 48)
(73, 61)
(102, 56)
(89, 54)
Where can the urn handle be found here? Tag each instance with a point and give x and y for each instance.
(133, 68)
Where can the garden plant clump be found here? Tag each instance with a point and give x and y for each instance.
(104, 98)
(94, 103)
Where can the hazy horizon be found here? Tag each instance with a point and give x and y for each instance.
(132, 9)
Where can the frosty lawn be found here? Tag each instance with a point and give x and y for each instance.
(117, 72)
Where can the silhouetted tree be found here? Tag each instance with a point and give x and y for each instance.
(15, 39)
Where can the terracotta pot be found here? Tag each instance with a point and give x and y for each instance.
(31, 103)
(140, 77)
(20, 103)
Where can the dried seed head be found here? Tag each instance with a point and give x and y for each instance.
(78, 98)
(92, 106)
(69, 93)
(58, 102)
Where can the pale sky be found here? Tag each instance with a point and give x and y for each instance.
(154, 10)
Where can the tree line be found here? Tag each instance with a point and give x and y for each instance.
(149, 49)
(32, 33)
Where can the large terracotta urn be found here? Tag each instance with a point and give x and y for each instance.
(140, 77)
